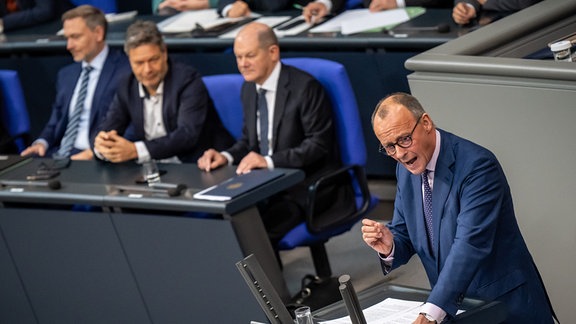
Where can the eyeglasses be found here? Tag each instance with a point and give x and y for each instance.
(403, 142)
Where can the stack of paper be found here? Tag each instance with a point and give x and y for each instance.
(187, 21)
(361, 20)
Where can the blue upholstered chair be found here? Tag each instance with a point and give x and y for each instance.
(225, 92)
(224, 89)
(14, 112)
(334, 79)
(354, 4)
(107, 6)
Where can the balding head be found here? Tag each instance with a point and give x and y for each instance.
(257, 52)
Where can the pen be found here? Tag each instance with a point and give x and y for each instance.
(314, 13)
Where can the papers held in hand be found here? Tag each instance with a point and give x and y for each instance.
(238, 185)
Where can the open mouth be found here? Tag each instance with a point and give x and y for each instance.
(411, 162)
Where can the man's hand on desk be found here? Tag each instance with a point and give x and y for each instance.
(210, 160)
(379, 5)
(114, 147)
(314, 11)
(34, 149)
(250, 162)
(238, 9)
(84, 155)
(182, 5)
(463, 13)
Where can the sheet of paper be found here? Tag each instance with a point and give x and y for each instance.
(374, 20)
(359, 20)
(186, 21)
(270, 21)
(388, 311)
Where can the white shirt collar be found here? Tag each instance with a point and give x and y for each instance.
(98, 61)
(272, 82)
(143, 93)
(431, 166)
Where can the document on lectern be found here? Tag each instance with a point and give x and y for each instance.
(238, 185)
(388, 311)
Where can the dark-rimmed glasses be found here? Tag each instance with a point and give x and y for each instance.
(403, 142)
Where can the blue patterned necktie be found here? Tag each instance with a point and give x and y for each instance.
(428, 206)
(263, 110)
(69, 138)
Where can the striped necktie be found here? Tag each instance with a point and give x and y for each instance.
(72, 128)
(428, 206)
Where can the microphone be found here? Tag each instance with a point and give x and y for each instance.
(52, 184)
(351, 300)
(440, 28)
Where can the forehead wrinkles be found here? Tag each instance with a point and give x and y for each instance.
(389, 129)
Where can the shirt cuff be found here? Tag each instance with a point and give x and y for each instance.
(228, 157)
(225, 10)
(43, 142)
(143, 154)
(327, 3)
(436, 312)
(401, 3)
(269, 162)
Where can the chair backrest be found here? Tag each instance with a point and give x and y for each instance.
(333, 77)
(107, 6)
(224, 89)
(354, 4)
(14, 113)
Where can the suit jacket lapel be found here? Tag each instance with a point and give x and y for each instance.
(282, 94)
(250, 114)
(105, 78)
(443, 179)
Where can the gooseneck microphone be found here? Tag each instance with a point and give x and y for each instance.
(52, 184)
(440, 28)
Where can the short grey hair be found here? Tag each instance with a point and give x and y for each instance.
(406, 100)
(141, 33)
(93, 17)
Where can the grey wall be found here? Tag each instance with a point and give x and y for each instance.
(525, 112)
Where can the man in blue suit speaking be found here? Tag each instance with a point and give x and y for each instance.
(77, 110)
(454, 209)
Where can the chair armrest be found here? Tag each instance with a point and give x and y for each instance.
(350, 180)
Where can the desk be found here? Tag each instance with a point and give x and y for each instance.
(477, 311)
(114, 266)
(374, 62)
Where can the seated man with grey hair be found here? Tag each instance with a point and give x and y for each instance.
(166, 103)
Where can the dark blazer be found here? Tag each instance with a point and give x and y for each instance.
(191, 121)
(33, 12)
(278, 5)
(115, 66)
(507, 6)
(423, 3)
(303, 133)
(479, 250)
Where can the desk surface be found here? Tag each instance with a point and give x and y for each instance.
(43, 38)
(95, 182)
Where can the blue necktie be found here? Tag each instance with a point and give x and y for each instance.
(69, 138)
(428, 206)
(263, 110)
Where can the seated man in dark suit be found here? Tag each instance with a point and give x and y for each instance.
(287, 124)
(67, 133)
(25, 13)
(166, 103)
(311, 8)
